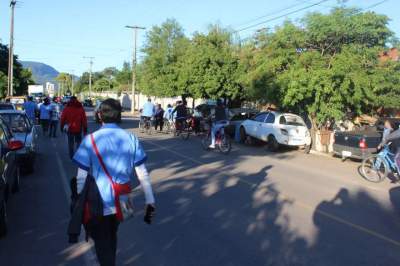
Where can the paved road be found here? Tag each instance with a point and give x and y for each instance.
(248, 208)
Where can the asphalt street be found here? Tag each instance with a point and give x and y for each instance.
(250, 207)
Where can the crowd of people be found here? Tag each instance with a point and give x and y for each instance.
(179, 115)
(106, 161)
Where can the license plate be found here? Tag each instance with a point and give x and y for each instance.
(346, 153)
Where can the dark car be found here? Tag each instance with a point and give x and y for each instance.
(88, 103)
(9, 183)
(7, 106)
(361, 143)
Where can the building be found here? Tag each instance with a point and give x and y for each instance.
(391, 54)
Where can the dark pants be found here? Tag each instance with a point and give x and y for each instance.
(159, 122)
(53, 128)
(74, 140)
(45, 125)
(103, 231)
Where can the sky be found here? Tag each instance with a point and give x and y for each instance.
(61, 32)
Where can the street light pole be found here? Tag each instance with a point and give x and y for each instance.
(10, 84)
(135, 29)
(90, 73)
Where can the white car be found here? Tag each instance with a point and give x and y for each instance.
(277, 129)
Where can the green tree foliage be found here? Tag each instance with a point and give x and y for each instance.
(326, 66)
(164, 49)
(22, 77)
(210, 67)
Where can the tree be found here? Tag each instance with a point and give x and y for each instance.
(327, 66)
(22, 77)
(164, 48)
(210, 66)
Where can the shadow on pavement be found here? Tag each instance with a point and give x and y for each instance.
(213, 216)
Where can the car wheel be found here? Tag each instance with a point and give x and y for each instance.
(272, 144)
(15, 186)
(3, 219)
(243, 135)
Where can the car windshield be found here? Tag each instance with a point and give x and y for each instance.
(16, 122)
(291, 120)
(6, 107)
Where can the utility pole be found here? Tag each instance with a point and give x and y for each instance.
(72, 82)
(135, 29)
(90, 73)
(10, 87)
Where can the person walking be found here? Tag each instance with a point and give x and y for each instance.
(55, 117)
(30, 108)
(159, 117)
(45, 112)
(110, 156)
(74, 122)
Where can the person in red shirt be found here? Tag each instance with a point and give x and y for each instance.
(74, 122)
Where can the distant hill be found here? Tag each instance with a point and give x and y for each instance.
(41, 72)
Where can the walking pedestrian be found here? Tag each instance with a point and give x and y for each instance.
(45, 110)
(55, 117)
(159, 117)
(111, 155)
(74, 122)
(30, 108)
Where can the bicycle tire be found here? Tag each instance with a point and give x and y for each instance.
(371, 163)
(225, 145)
(206, 142)
(185, 133)
(141, 126)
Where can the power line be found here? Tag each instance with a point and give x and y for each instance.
(271, 13)
(281, 16)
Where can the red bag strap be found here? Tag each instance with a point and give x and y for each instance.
(96, 150)
(116, 195)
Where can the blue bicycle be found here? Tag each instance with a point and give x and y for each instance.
(377, 167)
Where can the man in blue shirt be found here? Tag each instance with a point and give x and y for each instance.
(30, 108)
(122, 156)
(45, 112)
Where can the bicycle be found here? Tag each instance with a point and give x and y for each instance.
(169, 126)
(184, 129)
(145, 125)
(222, 141)
(377, 167)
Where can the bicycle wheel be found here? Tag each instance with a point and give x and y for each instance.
(225, 144)
(206, 141)
(185, 133)
(167, 127)
(148, 128)
(141, 126)
(374, 169)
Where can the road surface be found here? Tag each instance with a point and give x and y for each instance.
(250, 207)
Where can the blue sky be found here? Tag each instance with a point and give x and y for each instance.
(61, 32)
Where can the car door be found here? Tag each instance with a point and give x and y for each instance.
(255, 124)
(267, 127)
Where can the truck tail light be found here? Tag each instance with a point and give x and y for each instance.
(363, 144)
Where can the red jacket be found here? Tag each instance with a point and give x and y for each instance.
(74, 116)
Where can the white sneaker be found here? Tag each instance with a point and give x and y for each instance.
(211, 146)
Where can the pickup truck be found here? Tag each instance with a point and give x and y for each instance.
(359, 144)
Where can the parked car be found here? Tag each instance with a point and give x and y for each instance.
(236, 117)
(17, 101)
(360, 143)
(277, 129)
(7, 106)
(23, 130)
(88, 103)
(9, 171)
